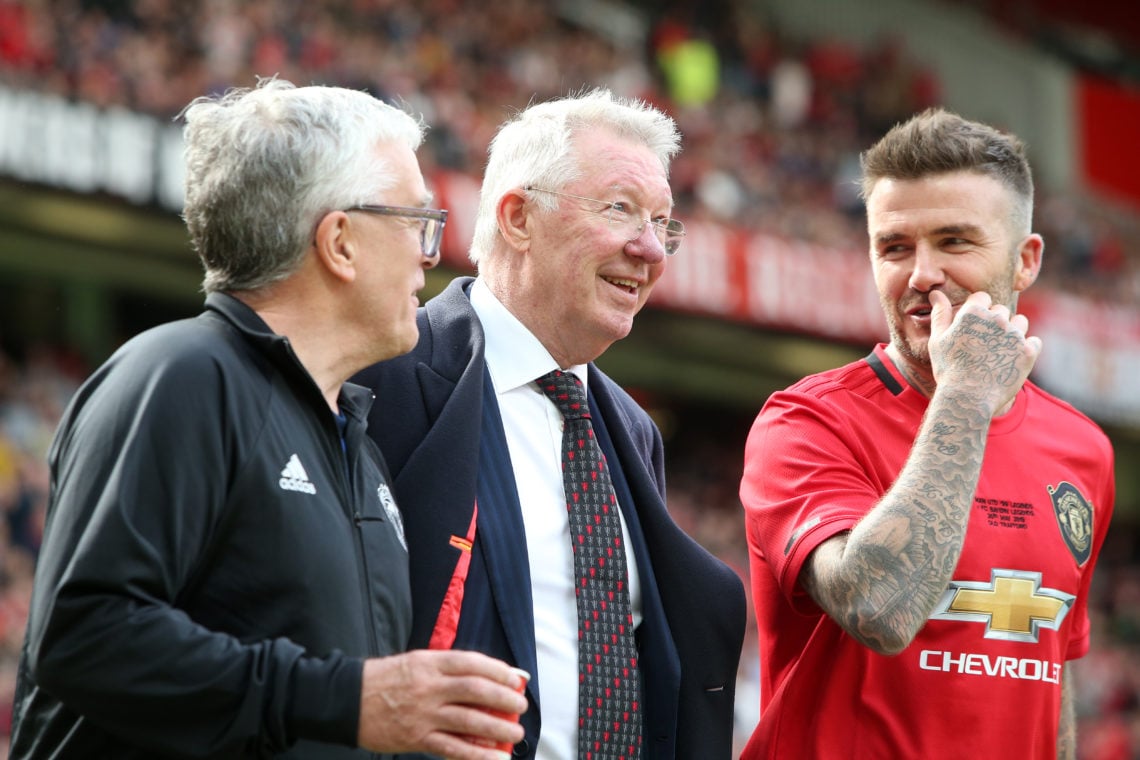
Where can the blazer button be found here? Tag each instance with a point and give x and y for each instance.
(522, 749)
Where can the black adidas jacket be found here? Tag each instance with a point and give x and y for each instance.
(211, 575)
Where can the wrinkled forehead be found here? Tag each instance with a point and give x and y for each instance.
(606, 160)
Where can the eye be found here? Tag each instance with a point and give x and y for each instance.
(894, 251)
(620, 207)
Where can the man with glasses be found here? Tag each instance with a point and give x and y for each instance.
(483, 426)
(223, 571)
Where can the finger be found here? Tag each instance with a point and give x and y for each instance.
(462, 662)
(495, 696)
(520, 680)
(980, 299)
(464, 732)
(484, 693)
(1001, 311)
(1020, 323)
(468, 721)
(489, 727)
(941, 313)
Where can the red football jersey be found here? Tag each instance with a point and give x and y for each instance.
(982, 678)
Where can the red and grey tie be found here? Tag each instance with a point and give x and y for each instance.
(609, 691)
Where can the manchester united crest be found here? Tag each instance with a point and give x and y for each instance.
(1074, 517)
(385, 496)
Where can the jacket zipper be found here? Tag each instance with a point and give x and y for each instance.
(350, 474)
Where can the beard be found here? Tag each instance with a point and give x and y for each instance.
(914, 347)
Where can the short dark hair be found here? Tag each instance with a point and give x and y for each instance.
(937, 141)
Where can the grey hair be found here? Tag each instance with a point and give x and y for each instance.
(263, 166)
(937, 141)
(535, 148)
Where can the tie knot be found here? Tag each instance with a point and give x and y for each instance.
(567, 393)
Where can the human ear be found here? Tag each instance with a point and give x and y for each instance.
(1029, 254)
(335, 246)
(514, 218)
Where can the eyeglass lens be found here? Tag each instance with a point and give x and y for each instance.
(431, 234)
(633, 218)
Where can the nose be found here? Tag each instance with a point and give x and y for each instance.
(646, 244)
(429, 262)
(927, 272)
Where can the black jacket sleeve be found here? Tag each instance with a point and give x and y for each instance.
(140, 470)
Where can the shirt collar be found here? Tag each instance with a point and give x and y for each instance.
(513, 354)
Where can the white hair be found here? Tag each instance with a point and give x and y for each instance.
(534, 148)
(263, 165)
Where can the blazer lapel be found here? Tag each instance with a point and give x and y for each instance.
(464, 456)
(640, 501)
(503, 537)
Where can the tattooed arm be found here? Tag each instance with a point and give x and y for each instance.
(881, 581)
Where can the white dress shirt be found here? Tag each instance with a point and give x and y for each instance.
(533, 426)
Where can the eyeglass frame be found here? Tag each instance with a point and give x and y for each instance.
(438, 215)
(674, 235)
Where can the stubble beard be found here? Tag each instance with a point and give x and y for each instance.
(916, 350)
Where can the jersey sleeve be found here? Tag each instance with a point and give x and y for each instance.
(802, 484)
(1102, 515)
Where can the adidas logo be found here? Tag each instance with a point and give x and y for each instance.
(294, 477)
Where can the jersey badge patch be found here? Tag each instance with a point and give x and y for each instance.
(1074, 518)
(385, 495)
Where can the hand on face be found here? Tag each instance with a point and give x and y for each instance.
(980, 352)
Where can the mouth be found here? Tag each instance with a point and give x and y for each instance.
(629, 286)
(920, 314)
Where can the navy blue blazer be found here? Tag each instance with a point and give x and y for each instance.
(437, 421)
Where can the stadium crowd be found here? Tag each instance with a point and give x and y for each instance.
(772, 126)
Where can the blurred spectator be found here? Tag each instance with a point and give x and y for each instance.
(465, 64)
(773, 124)
(33, 394)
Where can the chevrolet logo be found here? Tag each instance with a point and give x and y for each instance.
(1013, 605)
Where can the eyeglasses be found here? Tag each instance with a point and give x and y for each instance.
(630, 219)
(431, 223)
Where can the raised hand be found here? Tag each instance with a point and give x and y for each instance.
(982, 352)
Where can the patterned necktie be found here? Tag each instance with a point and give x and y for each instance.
(609, 692)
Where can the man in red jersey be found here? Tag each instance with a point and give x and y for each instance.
(923, 523)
